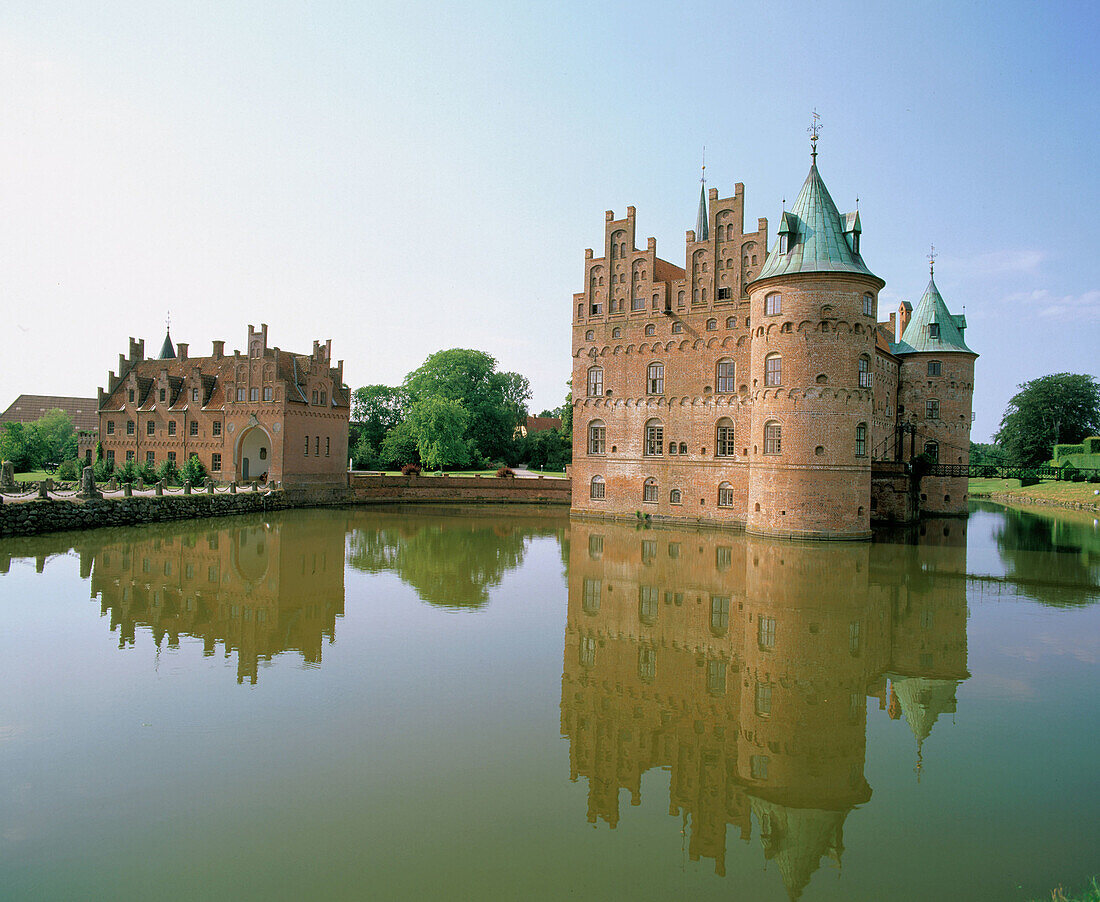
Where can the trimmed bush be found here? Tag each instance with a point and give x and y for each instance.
(410, 470)
(506, 473)
(68, 469)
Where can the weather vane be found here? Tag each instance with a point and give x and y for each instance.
(932, 261)
(703, 176)
(814, 130)
(168, 321)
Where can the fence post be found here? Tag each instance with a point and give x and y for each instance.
(128, 490)
(158, 489)
(187, 487)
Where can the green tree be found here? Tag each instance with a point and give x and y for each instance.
(30, 445)
(439, 425)
(57, 436)
(567, 415)
(496, 402)
(1051, 410)
(547, 450)
(193, 471)
(377, 409)
(399, 447)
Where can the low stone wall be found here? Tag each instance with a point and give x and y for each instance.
(33, 517)
(445, 489)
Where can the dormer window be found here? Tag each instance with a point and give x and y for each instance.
(783, 243)
(855, 242)
(933, 330)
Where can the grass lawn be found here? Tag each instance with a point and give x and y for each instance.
(1009, 489)
(34, 476)
(1089, 894)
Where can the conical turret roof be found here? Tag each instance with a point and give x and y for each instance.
(702, 221)
(167, 351)
(816, 241)
(919, 337)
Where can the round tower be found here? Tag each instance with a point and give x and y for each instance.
(813, 317)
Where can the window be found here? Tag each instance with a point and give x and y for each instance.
(861, 440)
(934, 368)
(649, 490)
(773, 370)
(150, 457)
(648, 604)
(129, 427)
(865, 374)
(317, 446)
(131, 395)
(655, 379)
(719, 613)
(677, 328)
(216, 463)
(595, 382)
(595, 544)
(324, 398)
(723, 446)
(763, 699)
(675, 497)
(171, 427)
(240, 394)
(854, 637)
(725, 495)
(716, 677)
(616, 332)
(328, 441)
(253, 394)
(783, 244)
(868, 304)
(162, 394)
(654, 438)
(195, 395)
(672, 447)
(595, 309)
(649, 329)
(712, 324)
(637, 303)
(129, 455)
(172, 456)
(151, 427)
(268, 393)
(306, 452)
(723, 294)
(596, 490)
(110, 427)
(111, 457)
(765, 632)
(597, 435)
(590, 335)
(932, 449)
(772, 438)
(773, 304)
(932, 409)
(315, 396)
(590, 602)
(647, 663)
(216, 427)
(727, 373)
(933, 330)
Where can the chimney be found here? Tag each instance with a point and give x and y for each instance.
(893, 327)
(219, 350)
(905, 311)
(181, 350)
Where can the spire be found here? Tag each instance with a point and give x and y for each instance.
(814, 130)
(702, 221)
(947, 334)
(167, 352)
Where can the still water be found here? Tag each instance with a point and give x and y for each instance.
(355, 704)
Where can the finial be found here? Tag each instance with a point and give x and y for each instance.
(168, 321)
(784, 205)
(857, 203)
(703, 176)
(814, 130)
(932, 262)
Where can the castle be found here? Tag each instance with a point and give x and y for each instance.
(754, 388)
(265, 414)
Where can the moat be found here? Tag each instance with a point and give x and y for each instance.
(505, 703)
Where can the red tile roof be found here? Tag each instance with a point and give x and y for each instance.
(28, 408)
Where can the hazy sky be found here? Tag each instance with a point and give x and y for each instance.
(405, 177)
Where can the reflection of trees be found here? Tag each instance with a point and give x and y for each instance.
(1059, 559)
(452, 565)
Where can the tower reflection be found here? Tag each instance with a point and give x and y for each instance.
(744, 668)
(257, 588)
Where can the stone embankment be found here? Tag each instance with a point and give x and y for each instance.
(55, 514)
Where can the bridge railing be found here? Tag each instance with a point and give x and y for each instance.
(1006, 471)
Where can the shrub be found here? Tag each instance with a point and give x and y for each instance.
(1028, 477)
(506, 473)
(1095, 477)
(103, 470)
(1078, 477)
(169, 472)
(193, 471)
(410, 469)
(68, 469)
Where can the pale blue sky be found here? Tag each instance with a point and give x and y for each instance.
(409, 177)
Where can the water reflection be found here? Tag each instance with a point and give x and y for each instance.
(745, 667)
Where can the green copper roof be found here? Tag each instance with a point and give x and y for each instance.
(167, 352)
(817, 242)
(702, 221)
(918, 336)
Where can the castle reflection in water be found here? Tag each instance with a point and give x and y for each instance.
(745, 667)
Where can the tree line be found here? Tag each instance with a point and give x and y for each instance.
(455, 410)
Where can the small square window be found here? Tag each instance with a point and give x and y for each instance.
(216, 427)
(193, 427)
(110, 427)
(216, 463)
(151, 427)
(171, 427)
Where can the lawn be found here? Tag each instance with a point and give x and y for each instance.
(1009, 490)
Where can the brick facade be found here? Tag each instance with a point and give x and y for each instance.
(748, 401)
(264, 414)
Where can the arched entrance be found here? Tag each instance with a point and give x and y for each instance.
(253, 454)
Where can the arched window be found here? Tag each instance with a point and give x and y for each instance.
(773, 370)
(683, 448)
(596, 488)
(773, 435)
(590, 335)
(672, 447)
(675, 497)
(865, 375)
(695, 296)
(597, 437)
(731, 322)
(724, 445)
(616, 332)
(712, 324)
(727, 373)
(868, 304)
(933, 450)
(861, 440)
(649, 490)
(725, 494)
(649, 329)
(647, 660)
(654, 438)
(680, 299)
(773, 304)
(595, 382)
(677, 328)
(655, 379)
